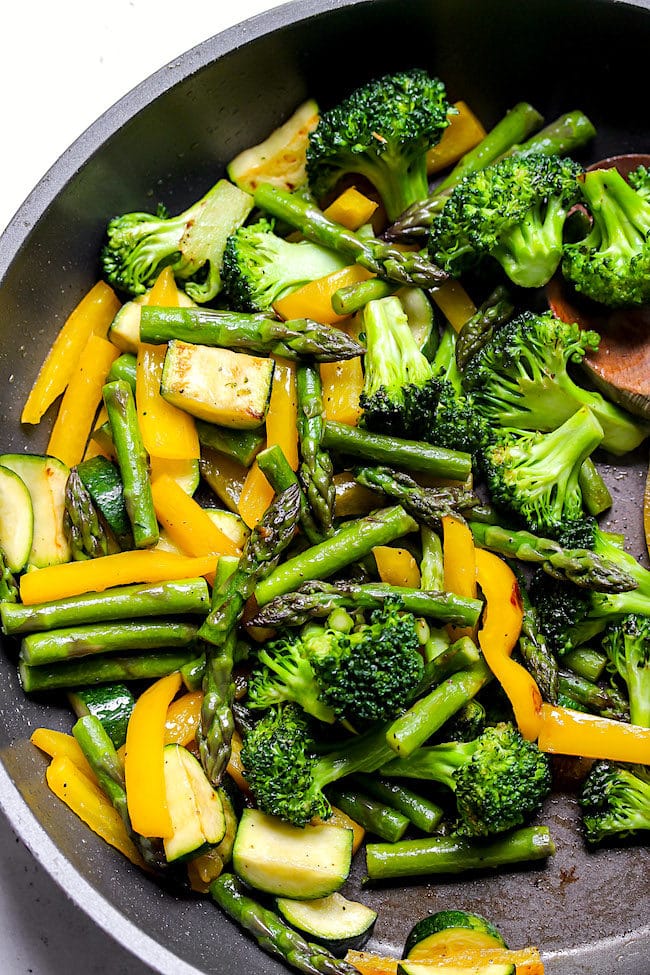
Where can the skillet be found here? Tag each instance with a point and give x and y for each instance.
(169, 140)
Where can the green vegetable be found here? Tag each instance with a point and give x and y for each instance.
(51, 646)
(316, 469)
(627, 645)
(111, 704)
(102, 480)
(426, 504)
(89, 671)
(615, 802)
(87, 532)
(195, 808)
(452, 930)
(16, 520)
(376, 817)
(333, 921)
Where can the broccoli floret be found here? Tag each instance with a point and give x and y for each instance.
(499, 779)
(400, 393)
(370, 673)
(359, 673)
(615, 802)
(536, 474)
(286, 777)
(627, 645)
(259, 267)
(571, 617)
(456, 423)
(467, 724)
(381, 131)
(139, 245)
(520, 378)
(611, 265)
(640, 180)
(513, 211)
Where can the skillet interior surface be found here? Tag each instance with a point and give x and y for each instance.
(169, 140)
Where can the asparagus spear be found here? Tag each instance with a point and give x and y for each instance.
(316, 469)
(375, 255)
(318, 599)
(88, 535)
(426, 504)
(396, 452)
(53, 646)
(352, 542)
(102, 670)
(9, 591)
(422, 812)
(599, 699)
(133, 462)
(586, 662)
(242, 445)
(261, 553)
(174, 598)
(581, 566)
(272, 934)
(105, 763)
(280, 475)
(431, 567)
(452, 854)
(297, 338)
(352, 297)
(538, 657)
(374, 815)
(495, 310)
(124, 368)
(561, 137)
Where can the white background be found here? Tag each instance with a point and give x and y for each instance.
(62, 64)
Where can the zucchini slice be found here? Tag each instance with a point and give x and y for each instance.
(450, 934)
(111, 704)
(16, 520)
(103, 481)
(217, 385)
(45, 478)
(280, 159)
(205, 867)
(335, 922)
(195, 808)
(289, 861)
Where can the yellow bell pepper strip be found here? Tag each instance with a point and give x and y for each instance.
(396, 566)
(235, 765)
(463, 133)
(352, 209)
(88, 802)
(567, 732)
(314, 300)
(182, 471)
(502, 618)
(183, 718)
(527, 961)
(93, 315)
(459, 565)
(144, 775)
(95, 575)
(80, 401)
(167, 432)
(455, 304)
(342, 384)
(55, 743)
(186, 522)
(281, 430)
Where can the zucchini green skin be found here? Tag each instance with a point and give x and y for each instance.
(450, 920)
(453, 930)
(102, 479)
(175, 598)
(242, 445)
(88, 671)
(53, 646)
(111, 704)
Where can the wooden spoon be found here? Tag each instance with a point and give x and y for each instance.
(621, 365)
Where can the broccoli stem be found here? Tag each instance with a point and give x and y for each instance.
(298, 338)
(426, 504)
(278, 471)
(352, 297)
(272, 934)
(133, 462)
(606, 701)
(262, 552)
(580, 566)
(451, 854)
(362, 444)
(375, 816)
(375, 255)
(353, 541)
(319, 599)
(316, 469)
(175, 598)
(430, 712)
(102, 670)
(595, 493)
(87, 534)
(420, 811)
(53, 646)
(103, 759)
